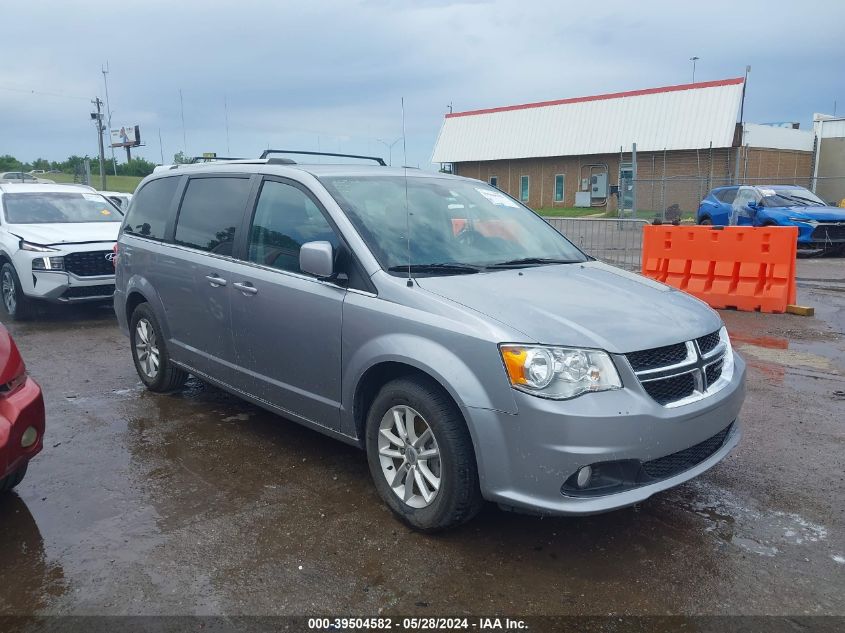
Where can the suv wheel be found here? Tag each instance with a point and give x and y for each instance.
(421, 456)
(152, 361)
(13, 479)
(18, 306)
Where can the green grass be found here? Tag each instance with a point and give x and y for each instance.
(126, 184)
(569, 212)
(599, 212)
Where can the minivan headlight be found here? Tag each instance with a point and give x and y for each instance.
(558, 372)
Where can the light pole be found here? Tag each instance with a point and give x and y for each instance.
(693, 60)
(389, 147)
(108, 111)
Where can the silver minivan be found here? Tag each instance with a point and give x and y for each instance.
(468, 347)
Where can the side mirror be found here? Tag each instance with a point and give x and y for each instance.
(752, 204)
(317, 258)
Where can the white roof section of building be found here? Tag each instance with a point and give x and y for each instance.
(689, 116)
(773, 137)
(832, 126)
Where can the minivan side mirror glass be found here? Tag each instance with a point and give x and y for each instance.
(317, 258)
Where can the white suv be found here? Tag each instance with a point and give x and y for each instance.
(56, 244)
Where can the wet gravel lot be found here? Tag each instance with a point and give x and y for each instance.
(198, 503)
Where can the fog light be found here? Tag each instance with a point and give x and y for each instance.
(584, 476)
(30, 436)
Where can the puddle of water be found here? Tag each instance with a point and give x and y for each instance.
(766, 533)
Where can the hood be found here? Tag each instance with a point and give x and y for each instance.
(820, 214)
(585, 305)
(69, 233)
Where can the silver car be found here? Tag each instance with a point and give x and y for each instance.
(468, 347)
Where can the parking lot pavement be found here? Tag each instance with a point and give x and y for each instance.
(197, 503)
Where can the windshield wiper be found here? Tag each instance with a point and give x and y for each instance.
(533, 261)
(440, 267)
(802, 199)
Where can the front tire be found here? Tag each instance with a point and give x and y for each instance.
(13, 479)
(421, 456)
(18, 306)
(149, 352)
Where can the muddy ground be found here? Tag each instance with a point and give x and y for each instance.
(197, 503)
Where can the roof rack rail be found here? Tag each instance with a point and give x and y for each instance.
(209, 159)
(376, 159)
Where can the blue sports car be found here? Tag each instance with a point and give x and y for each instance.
(820, 226)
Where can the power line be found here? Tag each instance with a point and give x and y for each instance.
(43, 94)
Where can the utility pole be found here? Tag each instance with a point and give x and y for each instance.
(108, 111)
(226, 111)
(742, 103)
(98, 121)
(693, 60)
(184, 136)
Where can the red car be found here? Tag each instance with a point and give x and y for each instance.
(21, 415)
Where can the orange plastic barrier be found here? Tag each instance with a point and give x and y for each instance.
(746, 268)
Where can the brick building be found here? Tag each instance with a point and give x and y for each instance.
(578, 152)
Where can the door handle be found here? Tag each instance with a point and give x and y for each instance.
(215, 281)
(245, 287)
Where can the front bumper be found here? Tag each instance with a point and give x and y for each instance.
(60, 286)
(525, 459)
(18, 411)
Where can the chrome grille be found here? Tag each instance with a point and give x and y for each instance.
(672, 389)
(708, 343)
(677, 374)
(658, 357)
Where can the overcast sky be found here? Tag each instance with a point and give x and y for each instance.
(329, 75)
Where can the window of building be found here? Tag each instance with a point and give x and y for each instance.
(523, 188)
(559, 188)
(151, 209)
(211, 210)
(285, 219)
(494, 181)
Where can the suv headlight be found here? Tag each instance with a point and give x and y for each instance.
(803, 221)
(48, 263)
(29, 246)
(558, 373)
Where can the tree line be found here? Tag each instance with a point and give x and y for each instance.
(73, 164)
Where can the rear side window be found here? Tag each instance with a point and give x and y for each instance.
(211, 210)
(727, 196)
(148, 216)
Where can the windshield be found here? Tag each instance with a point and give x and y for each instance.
(455, 226)
(58, 207)
(790, 198)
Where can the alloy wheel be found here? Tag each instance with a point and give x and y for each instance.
(9, 298)
(146, 348)
(409, 456)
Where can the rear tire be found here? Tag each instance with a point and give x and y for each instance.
(705, 221)
(18, 306)
(435, 447)
(149, 352)
(13, 479)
